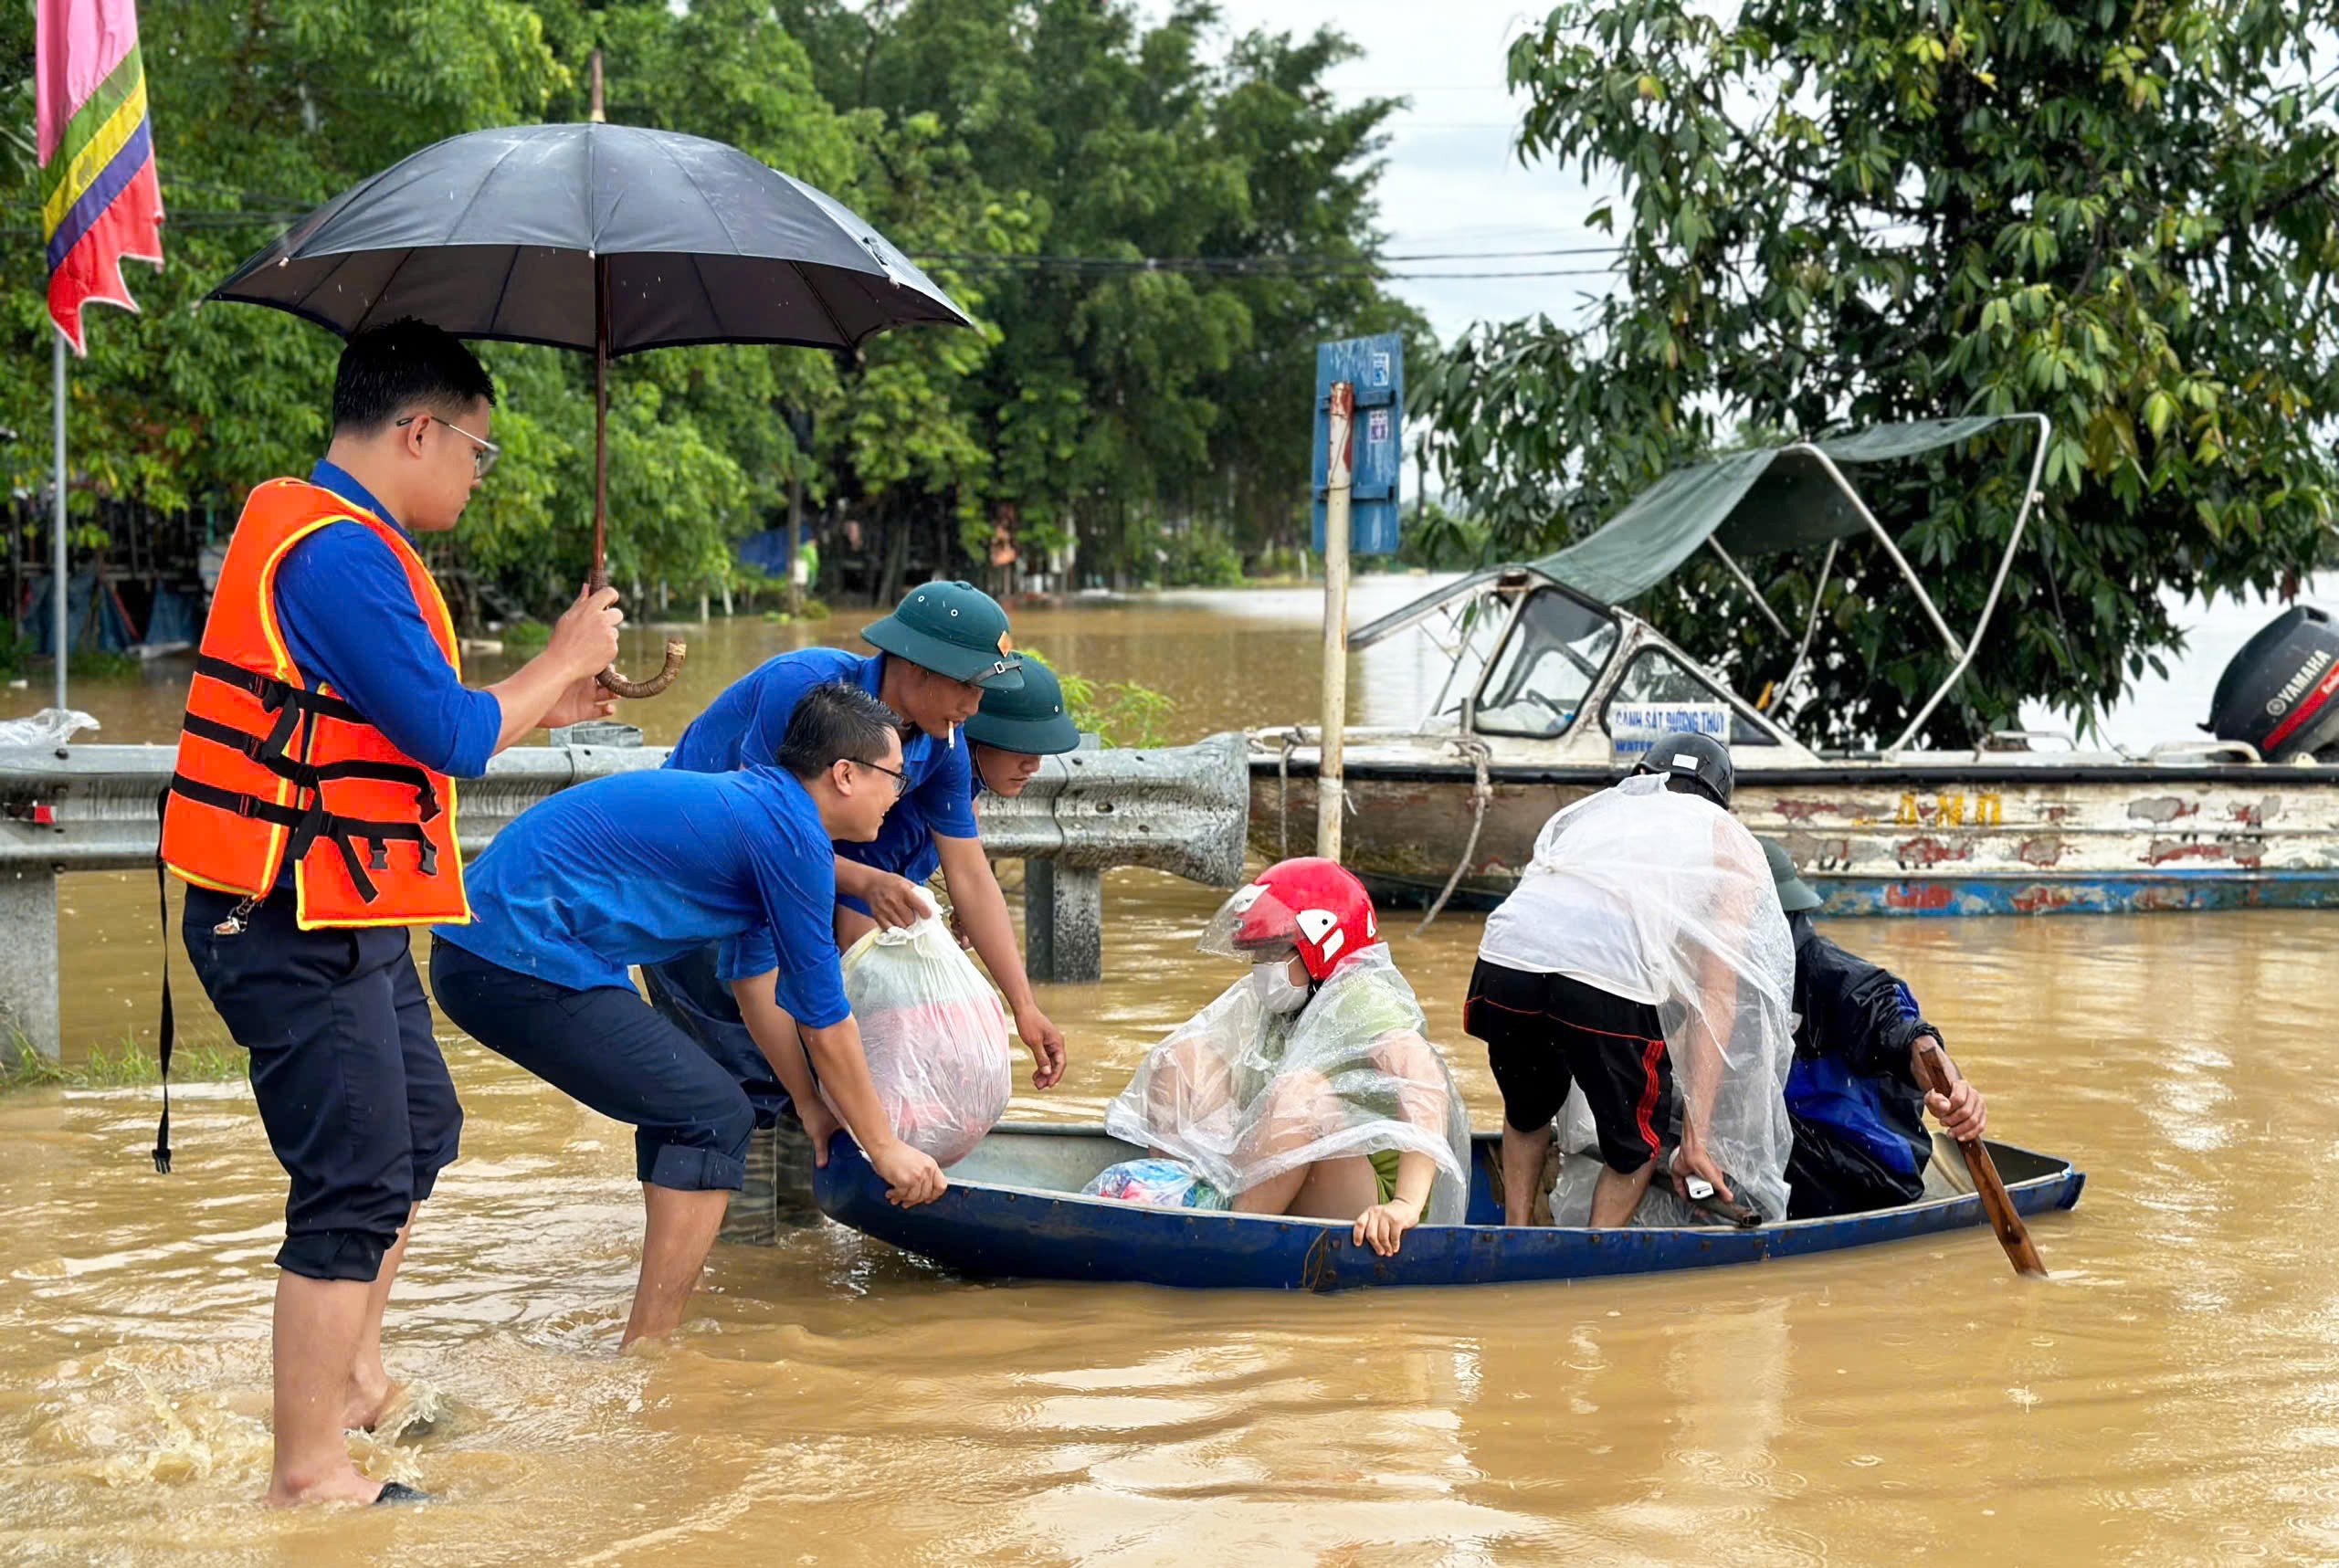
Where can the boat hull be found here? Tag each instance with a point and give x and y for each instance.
(1010, 1213)
(1873, 839)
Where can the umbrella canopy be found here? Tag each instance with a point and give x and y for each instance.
(608, 238)
(504, 235)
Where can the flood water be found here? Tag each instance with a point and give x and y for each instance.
(2171, 1396)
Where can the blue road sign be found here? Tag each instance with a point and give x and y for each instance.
(1376, 368)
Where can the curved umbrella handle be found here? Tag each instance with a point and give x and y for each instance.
(612, 682)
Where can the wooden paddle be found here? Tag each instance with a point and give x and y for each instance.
(1985, 1172)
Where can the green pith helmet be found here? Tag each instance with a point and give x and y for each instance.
(1795, 894)
(1028, 719)
(954, 629)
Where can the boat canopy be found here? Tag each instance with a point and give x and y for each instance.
(1751, 503)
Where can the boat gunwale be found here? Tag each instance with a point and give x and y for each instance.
(2063, 1172)
(2301, 775)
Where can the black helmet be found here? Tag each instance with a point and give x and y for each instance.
(1700, 759)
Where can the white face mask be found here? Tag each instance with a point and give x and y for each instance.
(1275, 988)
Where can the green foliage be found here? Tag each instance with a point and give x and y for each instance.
(1841, 214)
(103, 663)
(1443, 540)
(125, 1064)
(1197, 557)
(991, 132)
(813, 610)
(1118, 713)
(525, 637)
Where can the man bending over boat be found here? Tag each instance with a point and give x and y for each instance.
(1642, 959)
(1310, 1087)
(1851, 1096)
(938, 653)
(637, 868)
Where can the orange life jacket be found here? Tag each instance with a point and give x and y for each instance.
(268, 769)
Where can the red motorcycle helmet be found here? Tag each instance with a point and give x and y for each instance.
(1312, 908)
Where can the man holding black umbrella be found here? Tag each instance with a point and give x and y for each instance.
(312, 816)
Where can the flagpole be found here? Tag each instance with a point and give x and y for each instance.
(58, 582)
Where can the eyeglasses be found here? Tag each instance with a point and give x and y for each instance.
(484, 452)
(900, 780)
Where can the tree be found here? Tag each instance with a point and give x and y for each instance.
(1120, 393)
(982, 134)
(259, 113)
(1841, 214)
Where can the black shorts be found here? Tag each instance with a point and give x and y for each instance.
(1546, 1032)
(351, 1090)
(608, 1048)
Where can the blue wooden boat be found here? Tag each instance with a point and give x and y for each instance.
(1013, 1210)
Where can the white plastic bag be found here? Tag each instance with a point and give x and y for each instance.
(935, 1035)
(49, 727)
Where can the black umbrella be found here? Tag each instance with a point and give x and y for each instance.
(610, 239)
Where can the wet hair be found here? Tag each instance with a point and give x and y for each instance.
(835, 722)
(386, 370)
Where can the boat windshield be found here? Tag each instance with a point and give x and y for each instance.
(1546, 666)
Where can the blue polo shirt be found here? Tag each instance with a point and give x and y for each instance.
(348, 620)
(639, 868)
(744, 726)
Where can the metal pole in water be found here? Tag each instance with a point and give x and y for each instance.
(58, 582)
(1331, 793)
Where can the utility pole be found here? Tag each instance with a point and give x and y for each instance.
(1332, 793)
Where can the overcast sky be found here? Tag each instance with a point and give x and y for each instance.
(1452, 184)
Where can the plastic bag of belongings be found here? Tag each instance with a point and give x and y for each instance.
(935, 1035)
(1239, 1094)
(1157, 1182)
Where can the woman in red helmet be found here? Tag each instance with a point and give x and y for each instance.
(1309, 1086)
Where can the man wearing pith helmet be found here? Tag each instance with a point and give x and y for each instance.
(938, 654)
(1016, 728)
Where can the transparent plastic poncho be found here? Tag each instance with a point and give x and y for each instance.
(1667, 898)
(935, 1035)
(1242, 1095)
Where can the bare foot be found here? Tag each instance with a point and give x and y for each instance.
(344, 1485)
(370, 1401)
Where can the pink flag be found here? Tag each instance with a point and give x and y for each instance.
(99, 200)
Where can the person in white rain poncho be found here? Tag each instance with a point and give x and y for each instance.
(1642, 959)
(1309, 1086)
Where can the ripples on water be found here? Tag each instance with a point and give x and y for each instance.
(2171, 1396)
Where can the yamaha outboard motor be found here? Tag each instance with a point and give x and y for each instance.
(2281, 693)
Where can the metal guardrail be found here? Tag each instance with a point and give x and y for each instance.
(1183, 809)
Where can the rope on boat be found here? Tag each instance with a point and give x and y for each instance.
(1482, 790)
(1283, 794)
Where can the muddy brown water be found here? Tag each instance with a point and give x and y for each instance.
(2171, 1396)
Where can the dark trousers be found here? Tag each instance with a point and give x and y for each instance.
(1829, 1174)
(687, 994)
(351, 1090)
(607, 1048)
